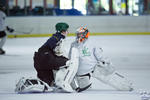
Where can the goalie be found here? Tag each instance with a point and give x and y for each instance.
(93, 64)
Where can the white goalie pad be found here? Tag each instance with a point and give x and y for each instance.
(108, 75)
(32, 85)
(64, 76)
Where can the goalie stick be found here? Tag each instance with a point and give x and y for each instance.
(27, 32)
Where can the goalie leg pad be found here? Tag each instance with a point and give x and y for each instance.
(64, 76)
(120, 82)
(60, 79)
(113, 79)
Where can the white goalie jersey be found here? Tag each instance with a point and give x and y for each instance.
(89, 55)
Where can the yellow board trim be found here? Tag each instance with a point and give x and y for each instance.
(73, 34)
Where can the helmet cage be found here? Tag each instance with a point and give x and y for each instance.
(82, 34)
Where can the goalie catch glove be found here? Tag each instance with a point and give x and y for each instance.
(32, 85)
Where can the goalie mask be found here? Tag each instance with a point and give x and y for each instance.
(82, 34)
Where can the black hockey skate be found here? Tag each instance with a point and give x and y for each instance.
(2, 51)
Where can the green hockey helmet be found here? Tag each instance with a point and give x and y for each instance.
(61, 26)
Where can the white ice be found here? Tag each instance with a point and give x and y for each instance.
(130, 55)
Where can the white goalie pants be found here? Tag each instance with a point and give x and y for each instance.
(82, 82)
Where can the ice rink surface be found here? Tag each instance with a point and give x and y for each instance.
(130, 55)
